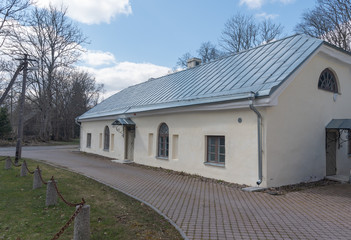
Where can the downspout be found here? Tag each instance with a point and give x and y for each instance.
(259, 138)
(80, 131)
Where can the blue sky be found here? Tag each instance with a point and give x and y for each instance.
(133, 40)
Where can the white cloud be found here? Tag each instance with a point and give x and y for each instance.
(97, 58)
(124, 74)
(91, 11)
(286, 1)
(266, 15)
(252, 3)
(256, 4)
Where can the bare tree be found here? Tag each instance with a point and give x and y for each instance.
(75, 93)
(240, 32)
(182, 61)
(208, 52)
(329, 20)
(269, 30)
(52, 39)
(243, 32)
(11, 12)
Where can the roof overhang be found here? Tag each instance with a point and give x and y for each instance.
(339, 124)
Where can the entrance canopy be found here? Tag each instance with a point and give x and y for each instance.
(124, 122)
(339, 124)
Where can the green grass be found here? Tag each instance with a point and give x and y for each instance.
(23, 214)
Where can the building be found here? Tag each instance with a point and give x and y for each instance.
(273, 115)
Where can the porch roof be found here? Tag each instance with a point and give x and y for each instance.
(339, 124)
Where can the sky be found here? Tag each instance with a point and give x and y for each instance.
(131, 41)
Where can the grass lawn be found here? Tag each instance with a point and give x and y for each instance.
(23, 214)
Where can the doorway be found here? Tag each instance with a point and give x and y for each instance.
(331, 141)
(129, 142)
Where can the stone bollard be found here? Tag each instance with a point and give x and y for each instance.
(8, 163)
(36, 179)
(82, 224)
(23, 169)
(51, 194)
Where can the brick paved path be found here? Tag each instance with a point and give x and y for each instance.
(205, 210)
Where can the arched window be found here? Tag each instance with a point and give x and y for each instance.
(163, 141)
(107, 138)
(327, 81)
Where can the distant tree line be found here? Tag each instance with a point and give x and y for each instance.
(329, 20)
(240, 32)
(57, 91)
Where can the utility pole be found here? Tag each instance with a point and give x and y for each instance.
(21, 108)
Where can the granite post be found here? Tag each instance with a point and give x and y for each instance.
(82, 224)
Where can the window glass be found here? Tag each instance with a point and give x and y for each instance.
(106, 138)
(163, 141)
(88, 140)
(216, 149)
(327, 81)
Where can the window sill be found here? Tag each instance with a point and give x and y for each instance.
(215, 164)
(162, 158)
(106, 150)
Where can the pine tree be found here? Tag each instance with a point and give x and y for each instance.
(5, 125)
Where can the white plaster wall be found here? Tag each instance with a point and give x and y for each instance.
(95, 128)
(192, 129)
(295, 134)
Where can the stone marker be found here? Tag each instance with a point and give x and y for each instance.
(8, 163)
(23, 170)
(82, 224)
(36, 179)
(51, 194)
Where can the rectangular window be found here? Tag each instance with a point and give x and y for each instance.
(349, 141)
(88, 140)
(216, 149)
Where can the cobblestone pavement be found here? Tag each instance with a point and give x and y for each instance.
(205, 210)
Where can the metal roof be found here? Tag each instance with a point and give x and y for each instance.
(259, 70)
(339, 124)
(124, 121)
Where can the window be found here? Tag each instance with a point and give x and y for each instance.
(216, 149)
(106, 138)
(88, 140)
(327, 81)
(163, 141)
(349, 141)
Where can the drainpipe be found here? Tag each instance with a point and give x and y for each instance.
(259, 138)
(80, 131)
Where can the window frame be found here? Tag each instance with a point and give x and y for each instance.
(163, 141)
(325, 76)
(215, 141)
(88, 140)
(106, 138)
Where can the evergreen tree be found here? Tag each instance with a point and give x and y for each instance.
(5, 125)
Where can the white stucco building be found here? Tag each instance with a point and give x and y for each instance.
(276, 114)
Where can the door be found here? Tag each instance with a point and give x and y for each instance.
(331, 153)
(130, 143)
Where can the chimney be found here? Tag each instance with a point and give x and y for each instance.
(193, 62)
